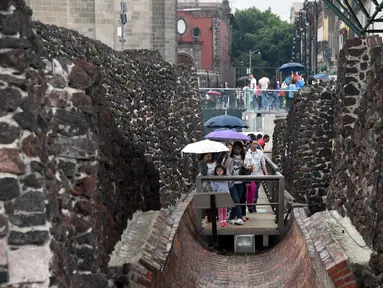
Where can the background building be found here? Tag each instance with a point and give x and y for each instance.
(204, 39)
(320, 33)
(150, 23)
(294, 11)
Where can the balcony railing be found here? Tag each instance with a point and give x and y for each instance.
(244, 99)
(274, 187)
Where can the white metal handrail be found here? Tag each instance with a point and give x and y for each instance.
(241, 89)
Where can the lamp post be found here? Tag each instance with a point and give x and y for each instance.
(123, 20)
(316, 35)
(308, 26)
(250, 54)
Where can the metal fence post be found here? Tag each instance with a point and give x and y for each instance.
(275, 195)
(281, 206)
(213, 216)
(198, 212)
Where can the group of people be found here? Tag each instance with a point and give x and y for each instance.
(269, 94)
(243, 158)
(265, 94)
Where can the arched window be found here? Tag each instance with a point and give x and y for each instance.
(185, 59)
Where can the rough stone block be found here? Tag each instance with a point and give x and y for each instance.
(9, 188)
(10, 161)
(3, 263)
(20, 268)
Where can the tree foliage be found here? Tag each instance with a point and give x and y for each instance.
(263, 31)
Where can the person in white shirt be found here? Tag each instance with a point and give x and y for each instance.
(264, 83)
(253, 87)
(256, 164)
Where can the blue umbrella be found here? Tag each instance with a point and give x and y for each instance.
(323, 76)
(221, 129)
(291, 67)
(225, 121)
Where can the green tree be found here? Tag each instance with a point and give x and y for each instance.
(263, 31)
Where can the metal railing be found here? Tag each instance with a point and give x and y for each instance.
(246, 99)
(274, 187)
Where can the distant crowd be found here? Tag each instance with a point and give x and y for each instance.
(269, 94)
(264, 95)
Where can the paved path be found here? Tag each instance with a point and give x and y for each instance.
(260, 223)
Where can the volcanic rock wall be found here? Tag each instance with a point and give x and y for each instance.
(83, 145)
(302, 144)
(279, 141)
(154, 104)
(356, 188)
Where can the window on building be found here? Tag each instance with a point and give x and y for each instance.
(196, 32)
(185, 59)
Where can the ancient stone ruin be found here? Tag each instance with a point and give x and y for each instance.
(88, 136)
(356, 186)
(331, 149)
(302, 145)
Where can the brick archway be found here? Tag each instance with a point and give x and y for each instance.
(185, 59)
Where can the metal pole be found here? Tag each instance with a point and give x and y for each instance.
(213, 213)
(123, 21)
(316, 36)
(198, 212)
(281, 206)
(250, 62)
(122, 37)
(347, 21)
(371, 19)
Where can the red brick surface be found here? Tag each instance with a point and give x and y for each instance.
(330, 252)
(188, 264)
(173, 256)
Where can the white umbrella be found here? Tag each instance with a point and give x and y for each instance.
(205, 146)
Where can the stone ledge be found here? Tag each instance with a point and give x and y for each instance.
(145, 244)
(131, 247)
(334, 248)
(300, 216)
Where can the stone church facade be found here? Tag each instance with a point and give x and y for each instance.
(151, 23)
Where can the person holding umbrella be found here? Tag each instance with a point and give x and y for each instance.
(234, 167)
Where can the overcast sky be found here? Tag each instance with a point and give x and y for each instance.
(279, 7)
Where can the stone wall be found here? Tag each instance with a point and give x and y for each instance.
(84, 143)
(279, 141)
(154, 104)
(302, 145)
(356, 186)
(322, 143)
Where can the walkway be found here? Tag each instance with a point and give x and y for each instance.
(174, 256)
(189, 264)
(260, 223)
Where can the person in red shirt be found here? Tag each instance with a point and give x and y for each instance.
(262, 142)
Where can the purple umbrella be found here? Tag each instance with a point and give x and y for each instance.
(223, 135)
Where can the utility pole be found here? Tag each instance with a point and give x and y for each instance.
(316, 35)
(250, 54)
(123, 20)
(249, 62)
